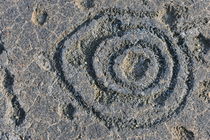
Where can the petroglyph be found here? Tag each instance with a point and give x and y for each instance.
(137, 65)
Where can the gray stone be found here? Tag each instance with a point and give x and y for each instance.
(66, 73)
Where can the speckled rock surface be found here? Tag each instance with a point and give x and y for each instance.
(104, 70)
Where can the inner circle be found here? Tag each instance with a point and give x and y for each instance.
(134, 66)
(137, 79)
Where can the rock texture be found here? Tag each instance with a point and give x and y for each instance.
(117, 69)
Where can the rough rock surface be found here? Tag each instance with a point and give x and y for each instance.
(104, 69)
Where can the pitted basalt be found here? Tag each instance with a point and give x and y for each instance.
(135, 69)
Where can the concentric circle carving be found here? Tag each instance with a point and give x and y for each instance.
(125, 68)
